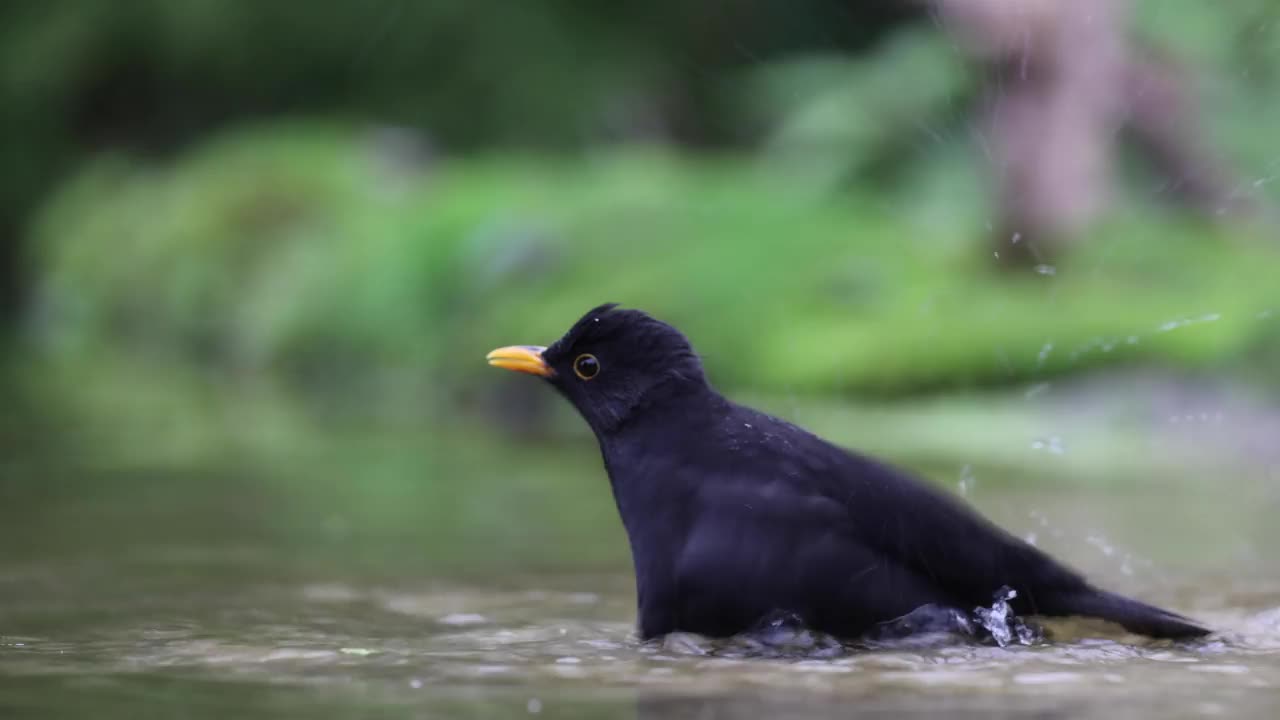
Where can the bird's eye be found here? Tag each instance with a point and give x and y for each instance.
(586, 366)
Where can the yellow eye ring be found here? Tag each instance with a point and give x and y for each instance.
(586, 366)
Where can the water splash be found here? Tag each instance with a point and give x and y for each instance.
(1044, 354)
(967, 480)
(1004, 626)
(1185, 322)
(1107, 344)
(783, 635)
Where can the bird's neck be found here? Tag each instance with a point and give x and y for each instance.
(675, 403)
(668, 394)
(642, 454)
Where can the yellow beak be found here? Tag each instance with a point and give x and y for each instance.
(521, 358)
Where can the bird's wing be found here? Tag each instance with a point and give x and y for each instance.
(906, 520)
(761, 546)
(940, 536)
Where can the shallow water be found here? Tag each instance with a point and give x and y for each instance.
(394, 571)
(565, 644)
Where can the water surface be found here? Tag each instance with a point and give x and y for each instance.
(427, 571)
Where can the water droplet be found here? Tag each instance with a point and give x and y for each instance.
(1052, 445)
(1101, 543)
(534, 706)
(1044, 353)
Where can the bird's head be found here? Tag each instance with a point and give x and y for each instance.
(611, 364)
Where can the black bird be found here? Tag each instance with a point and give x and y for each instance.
(735, 516)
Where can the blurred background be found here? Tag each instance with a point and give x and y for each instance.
(252, 256)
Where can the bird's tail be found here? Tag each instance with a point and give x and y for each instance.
(1134, 616)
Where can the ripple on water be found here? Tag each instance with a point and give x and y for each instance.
(465, 639)
(1048, 678)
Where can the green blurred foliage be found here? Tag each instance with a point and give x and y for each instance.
(452, 177)
(313, 251)
(221, 203)
(80, 76)
(472, 73)
(1230, 55)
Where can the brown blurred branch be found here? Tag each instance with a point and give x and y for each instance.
(1067, 81)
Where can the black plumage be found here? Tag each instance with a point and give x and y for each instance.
(734, 516)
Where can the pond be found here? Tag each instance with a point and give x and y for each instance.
(438, 569)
